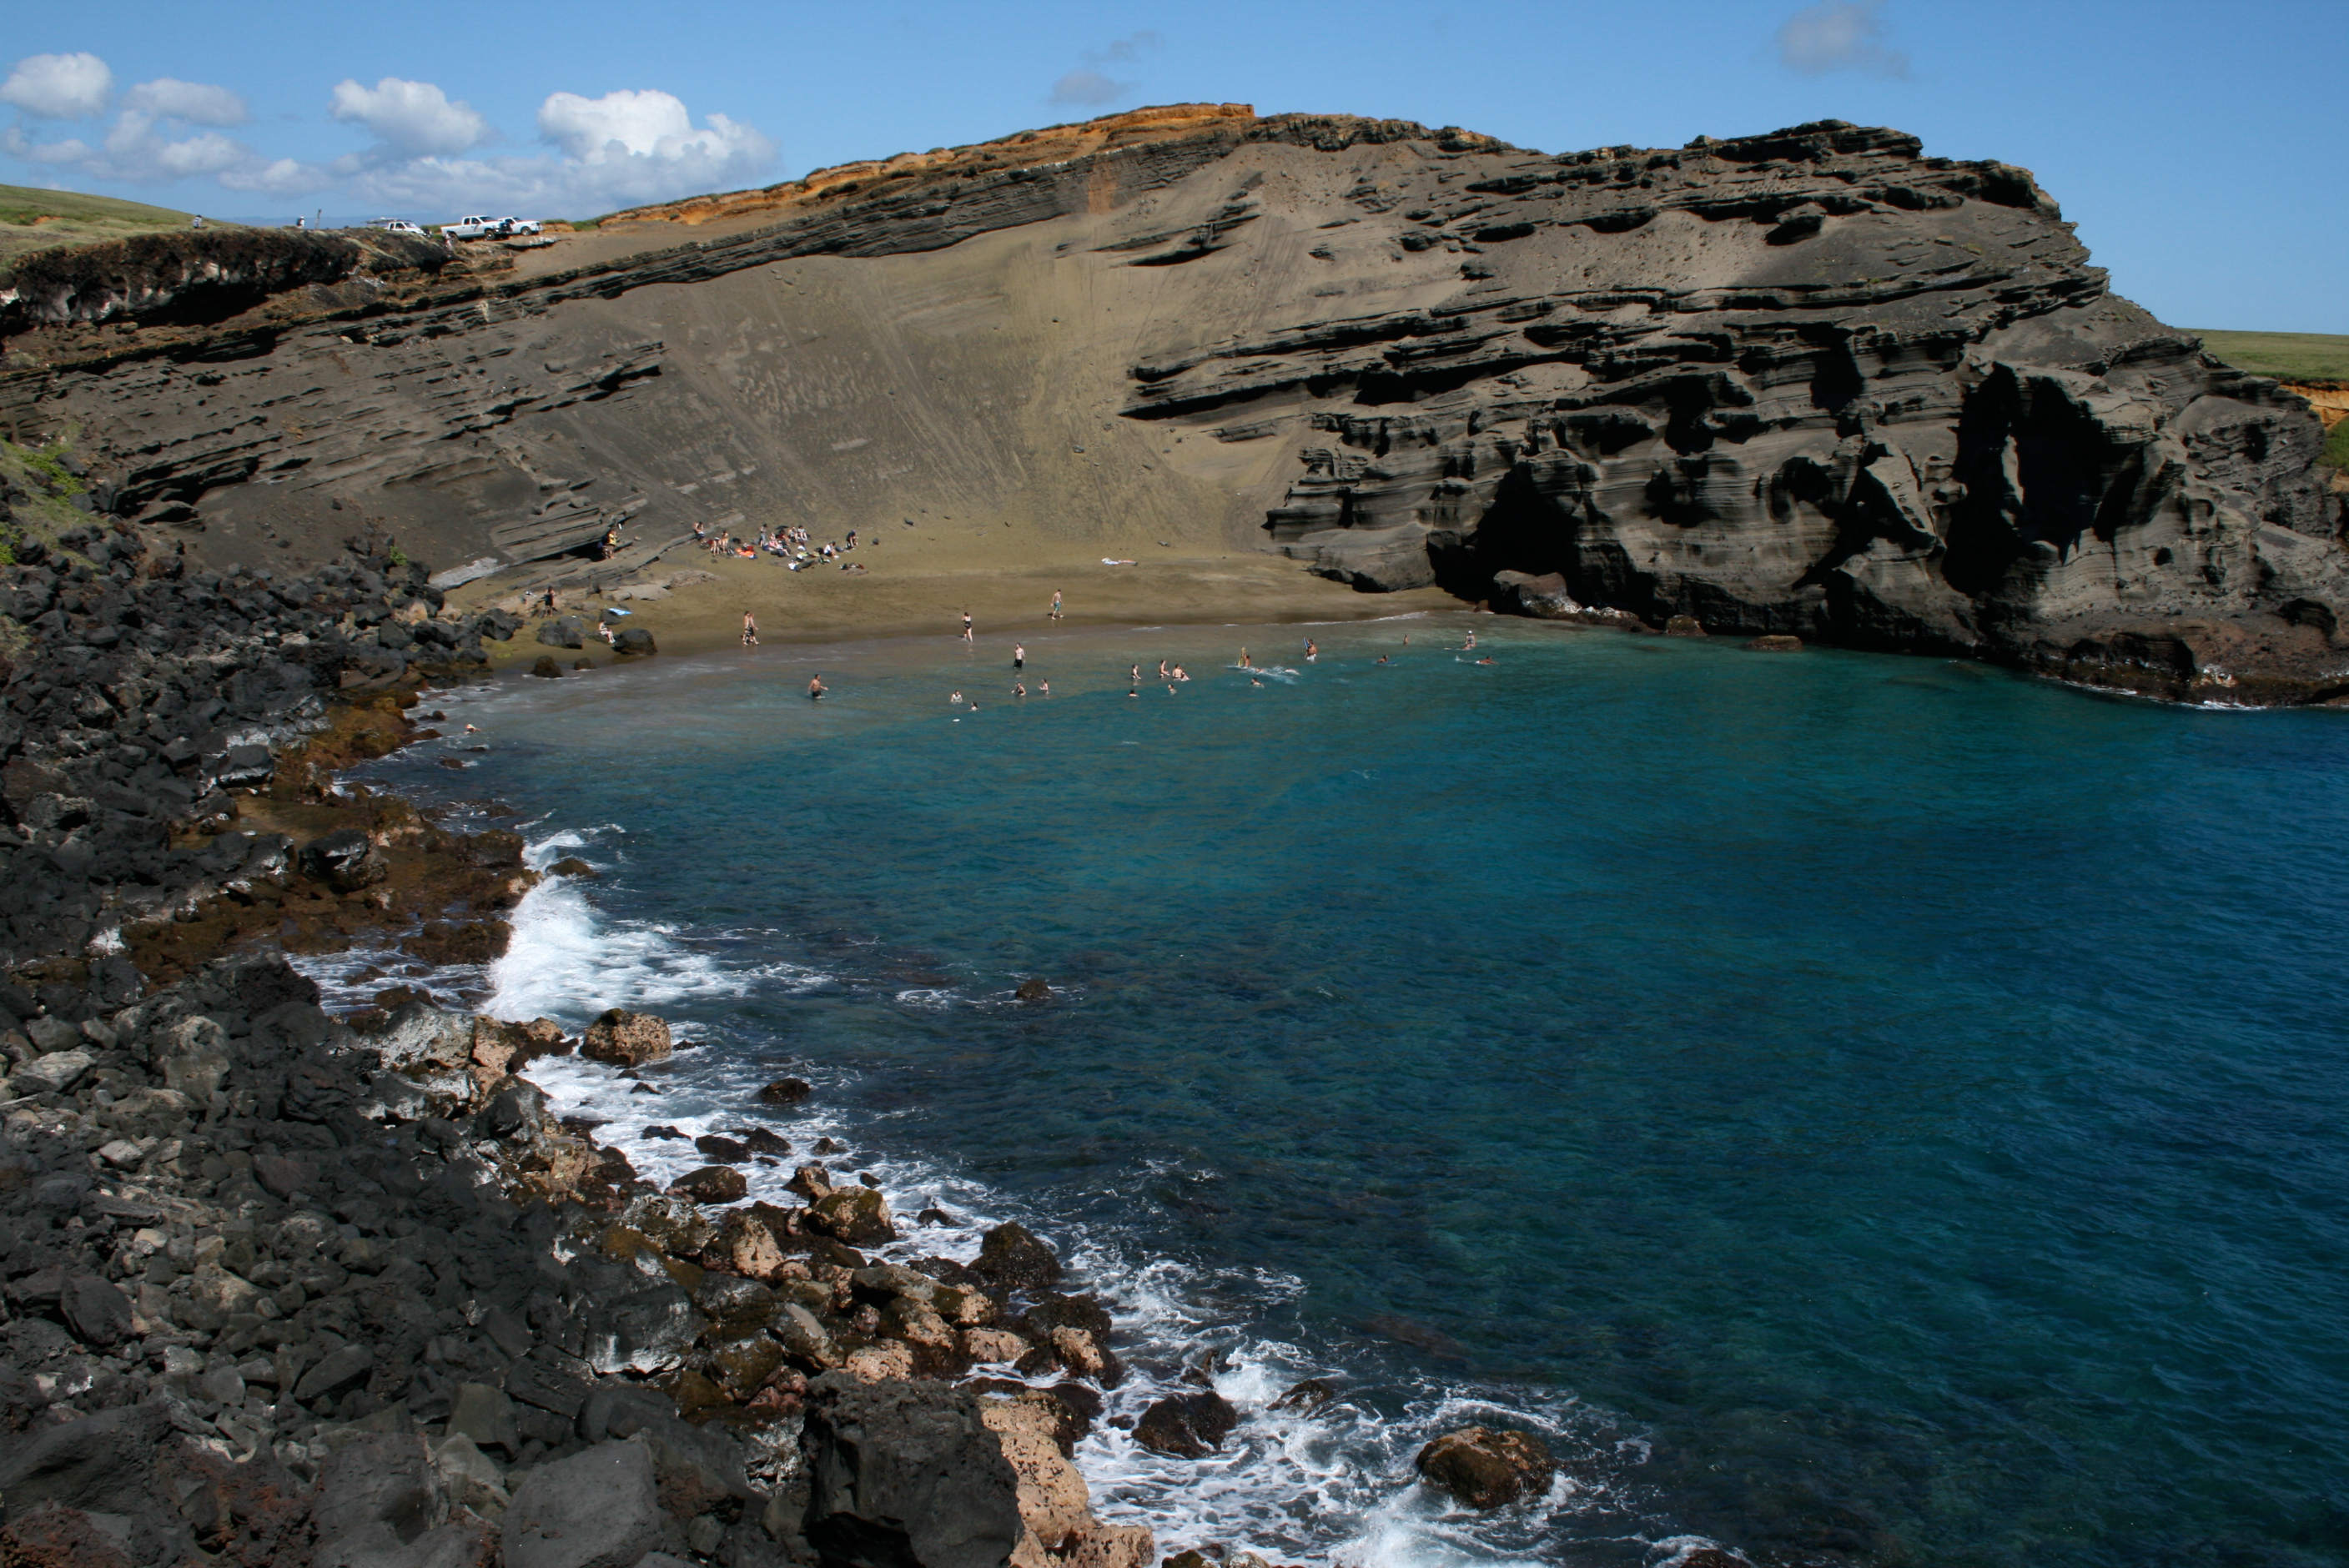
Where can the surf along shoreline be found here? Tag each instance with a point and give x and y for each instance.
(315, 1281)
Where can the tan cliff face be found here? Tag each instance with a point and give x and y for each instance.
(1029, 150)
(1810, 382)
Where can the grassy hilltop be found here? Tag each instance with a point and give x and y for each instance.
(2286, 355)
(40, 219)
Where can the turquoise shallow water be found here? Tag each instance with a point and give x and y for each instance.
(1859, 1108)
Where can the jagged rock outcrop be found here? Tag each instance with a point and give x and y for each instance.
(203, 275)
(1811, 383)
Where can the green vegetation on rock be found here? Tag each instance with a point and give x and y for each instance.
(2287, 355)
(48, 485)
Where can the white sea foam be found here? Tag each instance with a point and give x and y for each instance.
(1333, 1484)
(567, 961)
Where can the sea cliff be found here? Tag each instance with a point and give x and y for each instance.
(1814, 383)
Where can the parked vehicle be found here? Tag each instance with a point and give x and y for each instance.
(518, 226)
(479, 227)
(394, 225)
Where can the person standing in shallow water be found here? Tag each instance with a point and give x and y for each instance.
(1056, 603)
(1312, 652)
(1019, 657)
(750, 631)
(815, 688)
(965, 626)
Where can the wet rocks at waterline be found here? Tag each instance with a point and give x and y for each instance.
(359, 1294)
(1485, 1468)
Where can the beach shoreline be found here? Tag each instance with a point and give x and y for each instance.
(823, 604)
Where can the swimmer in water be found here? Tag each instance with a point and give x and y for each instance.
(1243, 660)
(1133, 677)
(1485, 660)
(1045, 689)
(1020, 690)
(1179, 674)
(1254, 682)
(954, 698)
(1311, 651)
(1383, 658)
(1470, 645)
(815, 688)
(1162, 669)
(1133, 691)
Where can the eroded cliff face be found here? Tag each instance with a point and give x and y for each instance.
(1810, 382)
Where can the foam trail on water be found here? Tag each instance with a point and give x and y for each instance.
(1331, 1483)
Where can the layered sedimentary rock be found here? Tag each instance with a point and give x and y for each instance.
(204, 274)
(1810, 383)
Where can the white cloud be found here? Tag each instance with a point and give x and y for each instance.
(195, 103)
(1089, 89)
(1839, 36)
(282, 177)
(414, 118)
(625, 148)
(134, 151)
(1132, 47)
(60, 86)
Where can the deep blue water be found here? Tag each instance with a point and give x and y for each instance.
(1859, 1108)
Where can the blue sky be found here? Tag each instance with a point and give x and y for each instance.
(2195, 145)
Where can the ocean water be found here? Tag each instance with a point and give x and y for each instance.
(1857, 1110)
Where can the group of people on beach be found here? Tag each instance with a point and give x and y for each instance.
(794, 547)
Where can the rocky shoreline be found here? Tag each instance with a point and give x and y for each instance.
(283, 1287)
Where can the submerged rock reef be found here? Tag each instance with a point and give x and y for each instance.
(1812, 383)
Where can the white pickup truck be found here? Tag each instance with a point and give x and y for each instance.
(484, 227)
